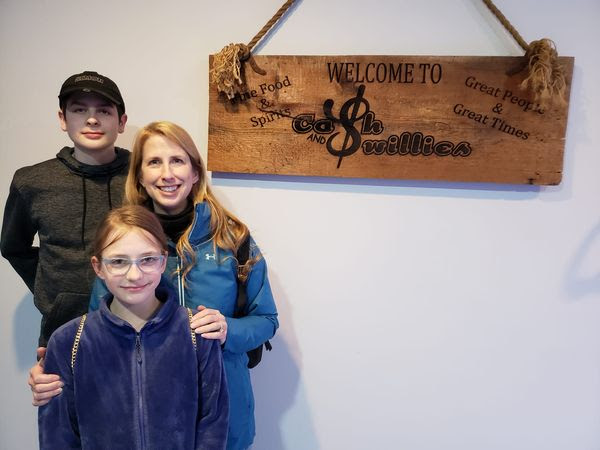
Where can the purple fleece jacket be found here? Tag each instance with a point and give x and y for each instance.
(129, 390)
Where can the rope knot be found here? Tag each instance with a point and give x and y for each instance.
(227, 71)
(546, 76)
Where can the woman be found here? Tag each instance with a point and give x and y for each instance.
(167, 175)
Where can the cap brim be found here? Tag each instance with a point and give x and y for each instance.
(87, 91)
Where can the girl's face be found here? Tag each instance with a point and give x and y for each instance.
(167, 175)
(131, 268)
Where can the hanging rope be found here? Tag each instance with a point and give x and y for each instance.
(227, 71)
(546, 76)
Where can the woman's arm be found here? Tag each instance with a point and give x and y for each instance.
(239, 335)
(260, 322)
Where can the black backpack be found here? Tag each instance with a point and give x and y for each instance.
(243, 254)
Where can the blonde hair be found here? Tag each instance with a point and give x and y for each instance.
(227, 231)
(122, 220)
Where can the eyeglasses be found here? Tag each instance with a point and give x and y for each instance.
(146, 264)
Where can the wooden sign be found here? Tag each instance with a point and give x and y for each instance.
(409, 117)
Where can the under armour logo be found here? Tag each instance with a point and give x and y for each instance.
(208, 256)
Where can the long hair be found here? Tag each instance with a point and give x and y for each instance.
(227, 231)
(122, 220)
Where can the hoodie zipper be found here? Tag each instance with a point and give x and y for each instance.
(138, 366)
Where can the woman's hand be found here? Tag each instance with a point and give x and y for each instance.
(43, 386)
(210, 324)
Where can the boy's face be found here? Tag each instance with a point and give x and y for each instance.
(92, 123)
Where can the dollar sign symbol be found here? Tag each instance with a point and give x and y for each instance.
(352, 134)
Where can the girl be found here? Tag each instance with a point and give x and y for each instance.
(134, 374)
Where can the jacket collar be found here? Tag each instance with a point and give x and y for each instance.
(165, 294)
(201, 225)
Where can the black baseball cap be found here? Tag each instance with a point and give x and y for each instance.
(92, 82)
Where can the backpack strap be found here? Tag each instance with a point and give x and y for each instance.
(242, 256)
(193, 332)
(76, 341)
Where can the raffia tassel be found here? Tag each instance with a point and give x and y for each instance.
(546, 76)
(227, 72)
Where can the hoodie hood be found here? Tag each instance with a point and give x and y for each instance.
(89, 171)
(107, 171)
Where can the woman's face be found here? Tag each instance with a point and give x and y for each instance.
(166, 174)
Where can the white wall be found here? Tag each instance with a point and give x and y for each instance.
(414, 315)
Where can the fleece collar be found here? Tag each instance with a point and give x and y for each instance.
(164, 293)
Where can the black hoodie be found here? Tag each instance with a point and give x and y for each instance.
(63, 201)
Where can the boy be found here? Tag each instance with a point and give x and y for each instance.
(63, 200)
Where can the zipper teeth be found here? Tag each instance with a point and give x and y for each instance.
(138, 349)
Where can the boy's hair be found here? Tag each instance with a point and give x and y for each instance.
(121, 220)
(91, 82)
(227, 230)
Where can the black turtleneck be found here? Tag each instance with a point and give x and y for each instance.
(175, 225)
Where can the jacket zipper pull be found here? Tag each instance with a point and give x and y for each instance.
(180, 289)
(138, 348)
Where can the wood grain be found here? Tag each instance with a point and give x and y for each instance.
(454, 118)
